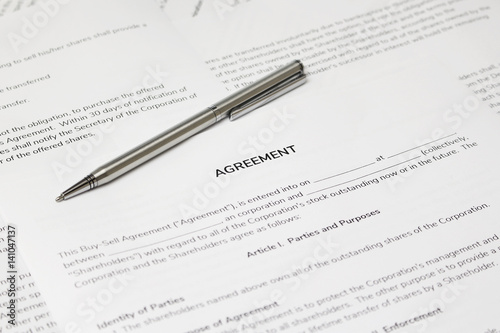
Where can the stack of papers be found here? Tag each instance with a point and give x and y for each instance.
(380, 217)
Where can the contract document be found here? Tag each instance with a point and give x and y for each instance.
(364, 201)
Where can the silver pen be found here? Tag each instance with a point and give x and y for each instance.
(234, 106)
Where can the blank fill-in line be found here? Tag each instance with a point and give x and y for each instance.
(425, 144)
(369, 174)
(343, 173)
(165, 240)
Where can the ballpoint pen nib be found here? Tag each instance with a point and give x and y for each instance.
(60, 198)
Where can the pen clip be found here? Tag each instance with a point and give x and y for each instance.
(268, 95)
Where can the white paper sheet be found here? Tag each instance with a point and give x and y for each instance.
(54, 69)
(206, 9)
(334, 38)
(11, 6)
(377, 215)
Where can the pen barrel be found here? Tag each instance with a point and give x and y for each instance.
(154, 146)
(241, 102)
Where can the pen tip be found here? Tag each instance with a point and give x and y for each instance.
(60, 198)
